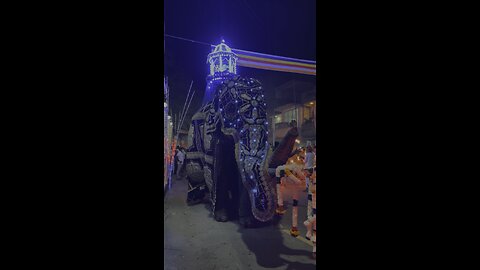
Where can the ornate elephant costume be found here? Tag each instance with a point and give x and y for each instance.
(234, 125)
(228, 147)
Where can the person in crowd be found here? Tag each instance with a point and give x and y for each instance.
(309, 162)
(175, 161)
(279, 175)
(181, 158)
(309, 178)
(183, 168)
(292, 178)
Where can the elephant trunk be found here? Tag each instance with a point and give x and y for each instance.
(283, 151)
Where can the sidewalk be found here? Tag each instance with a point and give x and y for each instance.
(194, 240)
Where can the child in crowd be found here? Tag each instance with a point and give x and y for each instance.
(309, 161)
(291, 177)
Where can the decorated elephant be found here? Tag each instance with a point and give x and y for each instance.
(228, 150)
(228, 153)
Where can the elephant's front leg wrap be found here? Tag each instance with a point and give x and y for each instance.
(252, 151)
(194, 163)
(243, 110)
(225, 176)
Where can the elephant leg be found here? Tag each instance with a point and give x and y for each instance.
(195, 193)
(194, 165)
(235, 187)
(221, 184)
(196, 183)
(232, 199)
(226, 177)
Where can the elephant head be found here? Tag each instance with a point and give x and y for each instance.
(242, 107)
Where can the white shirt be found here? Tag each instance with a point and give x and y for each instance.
(309, 157)
(180, 156)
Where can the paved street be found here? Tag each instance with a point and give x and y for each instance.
(194, 240)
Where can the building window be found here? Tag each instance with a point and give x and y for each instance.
(290, 115)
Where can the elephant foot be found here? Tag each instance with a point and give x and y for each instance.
(193, 201)
(221, 215)
(195, 197)
(232, 214)
(248, 222)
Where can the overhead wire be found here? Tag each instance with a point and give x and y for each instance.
(186, 39)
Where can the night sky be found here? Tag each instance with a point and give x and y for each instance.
(279, 27)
